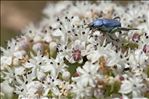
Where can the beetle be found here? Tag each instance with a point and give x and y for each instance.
(108, 25)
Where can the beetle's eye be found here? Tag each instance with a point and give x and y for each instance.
(91, 25)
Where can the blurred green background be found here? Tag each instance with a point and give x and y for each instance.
(15, 15)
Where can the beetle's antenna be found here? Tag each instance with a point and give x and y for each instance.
(127, 29)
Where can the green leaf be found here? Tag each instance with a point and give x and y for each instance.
(50, 94)
(70, 96)
(147, 71)
(73, 66)
(128, 44)
(112, 88)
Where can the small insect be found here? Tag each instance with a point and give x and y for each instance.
(108, 25)
(102, 65)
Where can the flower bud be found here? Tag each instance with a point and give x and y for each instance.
(66, 75)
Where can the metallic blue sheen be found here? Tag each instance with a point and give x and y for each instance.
(111, 23)
(108, 25)
(97, 23)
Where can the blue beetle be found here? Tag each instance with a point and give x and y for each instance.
(108, 25)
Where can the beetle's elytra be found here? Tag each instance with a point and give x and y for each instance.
(108, 25)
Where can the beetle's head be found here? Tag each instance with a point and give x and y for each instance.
(91, 25)
(96, 23)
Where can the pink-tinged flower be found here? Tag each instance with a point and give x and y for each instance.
(146, 48)
(76, 54)
(121, 78)
(135, 37)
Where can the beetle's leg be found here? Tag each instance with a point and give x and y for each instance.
(113, 31)
(111, 37)
(127, 29)
(117, 29)
(117, 18)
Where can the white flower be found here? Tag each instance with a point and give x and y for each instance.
(81, 91)
(19, 54)
(5, 61)
(11, 53)
(118, 59)
(138, 58)
(126, 87)
(34, 90)
(65, 88)
(134, 85)
(51, 84)
(6, 89)
(7, 57)
(10, 73)
(38, 65)
(23, 43)
(21, 83)
(88, 74)
(94, 55)
(57, 66)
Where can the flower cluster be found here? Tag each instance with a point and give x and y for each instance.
(62, 58)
